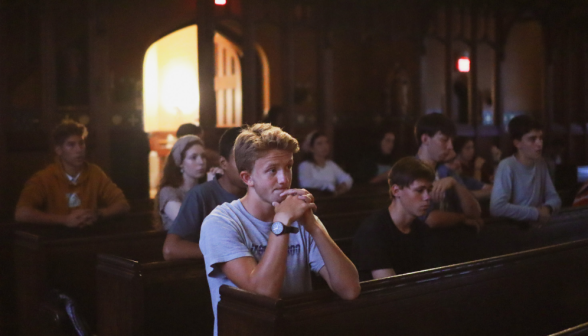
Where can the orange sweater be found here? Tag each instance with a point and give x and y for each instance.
(49, 190)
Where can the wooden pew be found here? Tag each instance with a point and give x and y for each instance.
(152, 298)
(156, 297)
(535, 292)
(7, 295)
(580, 330)
(363, 200)
(57, 257)
(120, 273)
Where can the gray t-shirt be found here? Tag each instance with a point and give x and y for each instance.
(518, 190)
(166, 195)
(199, 202)
(230, 232)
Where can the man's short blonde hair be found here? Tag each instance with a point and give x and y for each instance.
(256, 140)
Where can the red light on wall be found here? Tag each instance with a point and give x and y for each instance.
(220, 2)
(463, 64)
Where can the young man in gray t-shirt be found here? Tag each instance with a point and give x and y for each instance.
(268, 241)
(523, 189)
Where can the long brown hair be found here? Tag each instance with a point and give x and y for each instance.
(172, 176)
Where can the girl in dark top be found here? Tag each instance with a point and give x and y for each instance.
(471, 165)
(375, 167)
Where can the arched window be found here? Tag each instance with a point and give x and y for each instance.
(227, 83)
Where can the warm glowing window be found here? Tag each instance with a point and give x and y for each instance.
(227, 83)
(170, 82)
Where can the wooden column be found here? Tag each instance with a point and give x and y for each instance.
(474, 111)
(251, 111)
(449, 61)
(206, 22)
(569, 74)
(288, 66)
(498, 59)
(585, 89)
(98, 82)
(325, 111)
(48, 65)
(5, 212)
(549, 92)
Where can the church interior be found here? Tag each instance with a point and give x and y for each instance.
(133, 71)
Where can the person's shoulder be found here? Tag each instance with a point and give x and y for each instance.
(508, 163)
(48, 172)
(227, 209)
(203, 188)
(167, 191)
(376, 221)
(227, 213)
(304, 164)
(94, 168)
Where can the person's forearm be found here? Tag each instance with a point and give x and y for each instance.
(177, 248)
(440, 219)
(268, 275)
(343, 276)
(30, 215)
(482, 194)
(469, 205)
(500, 208)
(114, 210)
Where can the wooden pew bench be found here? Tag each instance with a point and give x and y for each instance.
(8, 315)
(352, 203)
(579, 330)
(152, 298)
(46, 258)
(534, 292)
(131, 278)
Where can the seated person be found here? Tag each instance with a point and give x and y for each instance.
(70, 191)
(269, 241)
(451, 202)
(472, 166)
(212, 157)
(183, 236)
(390, 241)
(183, 169)
(480, 190)
(522, 187)
(376, 166)
(317, 171)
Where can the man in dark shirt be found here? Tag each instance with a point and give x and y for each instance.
(183, 236)
(390, 241)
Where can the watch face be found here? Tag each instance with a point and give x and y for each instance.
(277, 228)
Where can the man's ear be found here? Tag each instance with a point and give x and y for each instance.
(425, 138)
(246, 178)
(516, 143)
(58, 150)
(395, 190)
(223, 163)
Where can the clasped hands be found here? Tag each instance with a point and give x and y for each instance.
(297, 205)
(81, 217)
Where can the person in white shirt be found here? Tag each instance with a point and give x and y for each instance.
(317, 171)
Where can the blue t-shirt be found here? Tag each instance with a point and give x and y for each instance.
(230, 232)
(199, 202)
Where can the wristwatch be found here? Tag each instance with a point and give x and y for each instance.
(278, 228)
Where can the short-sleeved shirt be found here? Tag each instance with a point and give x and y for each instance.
(168, 194)
(50, 190)
(198, 203)
(230, 232)
(378, 244)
